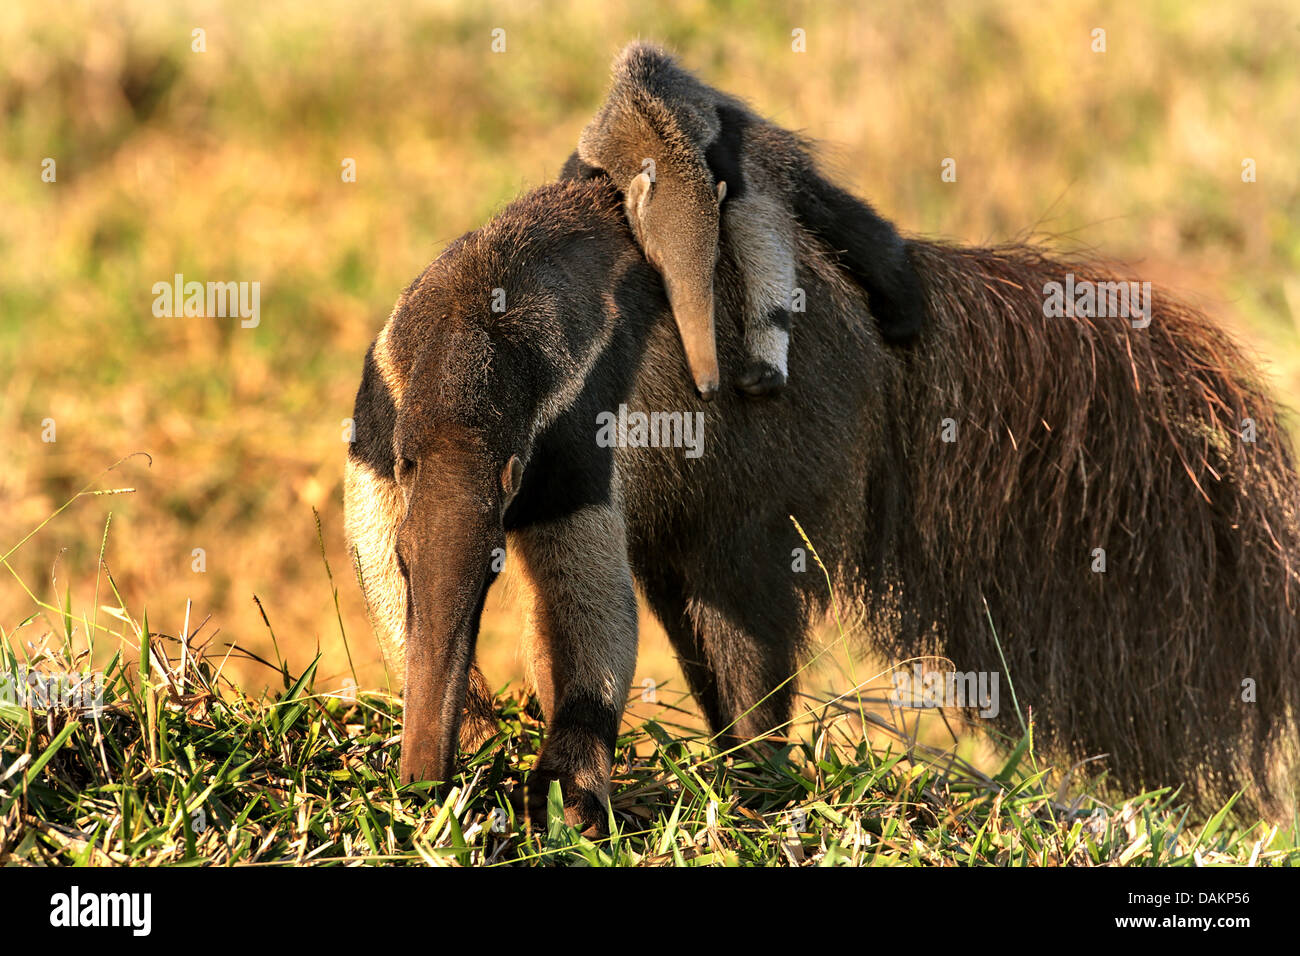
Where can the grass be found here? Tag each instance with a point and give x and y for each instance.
(174, 764)
(176, 772)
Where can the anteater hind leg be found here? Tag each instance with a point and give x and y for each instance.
(752, 654)
(738, 651)
(580, 638)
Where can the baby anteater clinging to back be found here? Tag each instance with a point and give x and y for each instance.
(697, 167)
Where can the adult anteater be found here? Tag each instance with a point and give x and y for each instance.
(962, 483)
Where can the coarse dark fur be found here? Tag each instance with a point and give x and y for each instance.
(1071, 434)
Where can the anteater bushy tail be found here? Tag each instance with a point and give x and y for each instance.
(1081, 440)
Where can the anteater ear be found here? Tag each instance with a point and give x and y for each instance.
(637, 198)
(512, 477)
(575, 167)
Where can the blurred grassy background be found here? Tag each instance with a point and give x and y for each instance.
(225, 165)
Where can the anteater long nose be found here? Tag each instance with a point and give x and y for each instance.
(694, 318)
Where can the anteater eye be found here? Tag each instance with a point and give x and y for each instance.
(404, 468)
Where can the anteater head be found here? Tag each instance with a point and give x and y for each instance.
(463, 388)
(431, 532)
(651, 137)
(456, 485)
